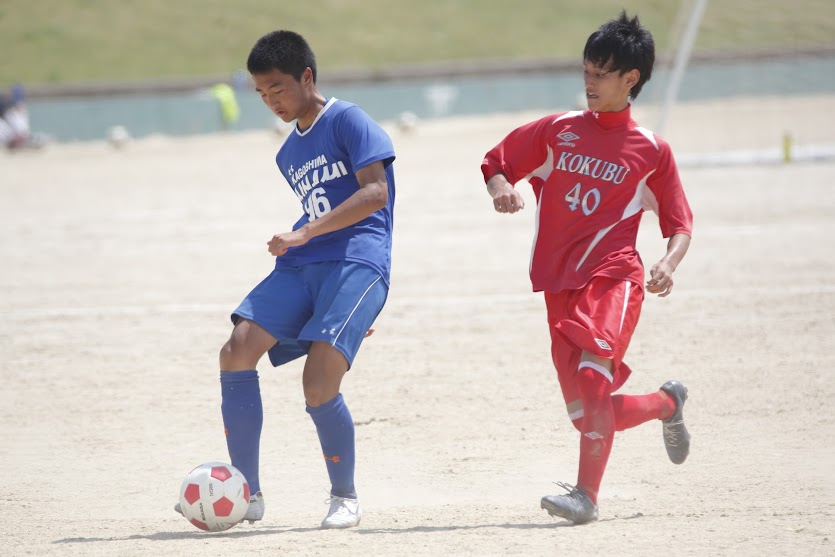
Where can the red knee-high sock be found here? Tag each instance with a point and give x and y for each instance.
(598, 429)
(633, 410)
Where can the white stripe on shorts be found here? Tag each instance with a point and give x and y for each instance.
(625, 305)
(333, 343)
(598, 368)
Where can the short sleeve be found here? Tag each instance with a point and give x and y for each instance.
(520, 153)
(363, 139)
(674, 214)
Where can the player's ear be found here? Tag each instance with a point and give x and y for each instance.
(307, 76)
(632, 77)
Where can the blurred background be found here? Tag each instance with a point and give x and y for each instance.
(97, 69)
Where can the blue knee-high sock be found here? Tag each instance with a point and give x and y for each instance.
(336, 435)
(243, 417)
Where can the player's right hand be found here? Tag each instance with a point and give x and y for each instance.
(505, 197)
(280, 243)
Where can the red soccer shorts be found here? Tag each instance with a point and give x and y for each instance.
(598, 318)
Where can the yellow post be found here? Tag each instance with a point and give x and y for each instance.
(229, 110)
(787, 147)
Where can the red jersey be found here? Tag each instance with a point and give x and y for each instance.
(593, 174)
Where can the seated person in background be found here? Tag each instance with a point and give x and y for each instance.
(14, 119)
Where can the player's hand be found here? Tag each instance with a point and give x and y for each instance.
(280, 243)
(507, 200)
(661, 279)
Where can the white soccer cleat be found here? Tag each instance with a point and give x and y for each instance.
(256, 508)
(343, 513)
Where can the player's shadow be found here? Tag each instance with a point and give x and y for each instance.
(506, 525)
(196, 534)
(263, 530)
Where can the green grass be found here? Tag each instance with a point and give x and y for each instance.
(47, 41)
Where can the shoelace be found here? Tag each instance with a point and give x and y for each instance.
(571, 489)
(341, 500)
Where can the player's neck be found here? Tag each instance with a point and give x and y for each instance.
(314, 107)
(612, 119)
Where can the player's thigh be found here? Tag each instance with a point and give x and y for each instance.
(249, 336)
(348, 301)
(281, 304)
(602, 316)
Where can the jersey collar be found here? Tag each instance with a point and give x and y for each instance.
(610, 120)
(321, 112)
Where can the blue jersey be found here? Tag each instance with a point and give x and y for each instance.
(320, 165)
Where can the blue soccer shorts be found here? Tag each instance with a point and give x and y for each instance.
(332, 301)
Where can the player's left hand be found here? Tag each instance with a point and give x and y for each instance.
(661, 279)
(280, 243)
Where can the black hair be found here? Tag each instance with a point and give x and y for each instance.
(624, 44)
(284, 51)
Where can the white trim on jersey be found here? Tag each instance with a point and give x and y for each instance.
(321, 112)
(570, 114)
(649, 135)
(540, 172)
(545, 170)
(578, 414)
(636, 204)
(333, 343)
(594, 242)
(649, 201)
(598, 368)
(535, 230)
(632, 208)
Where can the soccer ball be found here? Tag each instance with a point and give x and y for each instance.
(214, 496)
(118, 136)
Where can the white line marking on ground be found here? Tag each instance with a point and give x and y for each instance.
(395, 301)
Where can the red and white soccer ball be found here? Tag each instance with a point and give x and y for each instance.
(214, 496)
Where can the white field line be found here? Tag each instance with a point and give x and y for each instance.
(808, 153)
(401, 301)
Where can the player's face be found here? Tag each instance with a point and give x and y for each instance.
(607, 90)
(286, 97)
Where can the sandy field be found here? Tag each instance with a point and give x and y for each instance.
(118, 269)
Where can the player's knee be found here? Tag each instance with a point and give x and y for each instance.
(226, 356)
(316, 394)
(233, 356)
(592, 384)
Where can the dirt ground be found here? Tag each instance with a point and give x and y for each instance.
(118, 269)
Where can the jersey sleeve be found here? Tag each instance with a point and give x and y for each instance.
(363, 139)
(523, 150)
(674, 214)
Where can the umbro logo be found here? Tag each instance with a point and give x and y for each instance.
(568, 138)
(602, 344)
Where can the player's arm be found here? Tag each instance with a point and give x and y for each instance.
(505, 197)
(661, 274)
(674, 217)
(371, 196)
(518, 154)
